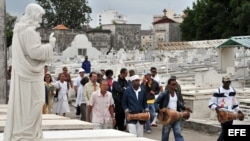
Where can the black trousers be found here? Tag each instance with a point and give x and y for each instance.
(84, 112)
(221, 137)
(119, 118)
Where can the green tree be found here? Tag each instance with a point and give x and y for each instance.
(213, 19)
(10, 21)
(72, 13)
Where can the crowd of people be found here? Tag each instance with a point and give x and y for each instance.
(106, 101)
(99, 98)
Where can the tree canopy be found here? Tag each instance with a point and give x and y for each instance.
(216, 19)
(72, 13)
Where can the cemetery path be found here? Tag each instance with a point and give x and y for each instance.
(188, 134)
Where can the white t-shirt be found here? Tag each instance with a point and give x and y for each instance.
(172, 102)
(77, 81)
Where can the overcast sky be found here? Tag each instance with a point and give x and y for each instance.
(137, 11)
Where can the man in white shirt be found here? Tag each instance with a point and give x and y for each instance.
(171, 99)
(81, 106)
(78, 79)
(101, 105)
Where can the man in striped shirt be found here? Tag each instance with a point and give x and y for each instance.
(224, 98)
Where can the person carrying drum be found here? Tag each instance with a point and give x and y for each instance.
(224, 100)
(134, 102)
(170, 100)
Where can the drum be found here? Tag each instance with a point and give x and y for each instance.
(224, 116)
(167, 116)
(139, 116)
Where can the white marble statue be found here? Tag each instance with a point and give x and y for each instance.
(27, 90)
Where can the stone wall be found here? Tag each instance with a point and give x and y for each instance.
(3, 62)
(174, 32)
(126, 36)
(100, 39)
(116, 36)
(146, 39)
(166, 32)
(63, 37)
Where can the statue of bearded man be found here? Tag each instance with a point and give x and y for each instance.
(27, 91)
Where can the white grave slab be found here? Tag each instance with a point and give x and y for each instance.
(3, 105)
(71, 124)
(3, 111)
(44, 117)
(93, 135)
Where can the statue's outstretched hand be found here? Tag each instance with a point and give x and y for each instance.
(52, 39)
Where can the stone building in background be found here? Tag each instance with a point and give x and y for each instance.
(100, 39)
(111, 16)
(64, 37)
(165, 30)
(171, 15)
(126, 36)
(147, 37)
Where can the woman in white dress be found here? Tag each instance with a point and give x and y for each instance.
(61, 105)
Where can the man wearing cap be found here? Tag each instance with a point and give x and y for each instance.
(134, 101)
(224, 98)
(78, 79)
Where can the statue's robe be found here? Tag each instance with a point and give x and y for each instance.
(24, 115)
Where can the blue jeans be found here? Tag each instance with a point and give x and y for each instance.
(152, 116)
(177, 131)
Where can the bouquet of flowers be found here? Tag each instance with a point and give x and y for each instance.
(51, 88)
